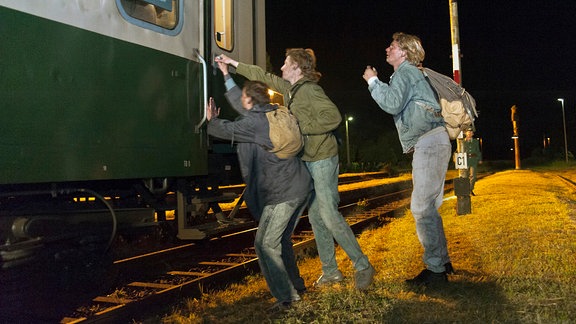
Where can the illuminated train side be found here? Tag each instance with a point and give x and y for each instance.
(103, 113)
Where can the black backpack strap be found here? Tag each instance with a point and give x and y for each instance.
(292, 93)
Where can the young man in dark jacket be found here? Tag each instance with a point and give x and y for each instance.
(277, 189)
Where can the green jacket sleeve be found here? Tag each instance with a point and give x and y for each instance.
(254, 72)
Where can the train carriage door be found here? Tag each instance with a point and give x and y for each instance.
(239, 30)
(169, 83)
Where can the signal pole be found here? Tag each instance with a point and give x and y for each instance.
(515, 136)
(455, 36)
(462, 183)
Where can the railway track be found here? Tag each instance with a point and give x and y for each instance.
(144, 283)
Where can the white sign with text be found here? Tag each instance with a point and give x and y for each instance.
(461, 160)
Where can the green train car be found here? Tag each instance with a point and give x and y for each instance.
(103, 112)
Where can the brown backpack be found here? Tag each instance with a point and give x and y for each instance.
(458, 106)
(284, 133)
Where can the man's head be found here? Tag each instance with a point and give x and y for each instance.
(300, 63)
(254, 93)
(411, 46)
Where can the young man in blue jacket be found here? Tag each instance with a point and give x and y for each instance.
(410, 99)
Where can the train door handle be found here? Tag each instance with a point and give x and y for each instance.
(205, 89)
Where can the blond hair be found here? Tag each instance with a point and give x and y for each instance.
(412, 46)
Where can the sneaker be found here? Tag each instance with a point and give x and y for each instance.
(364, 278)
(449, 268)
(325, 279)
(296, 298)
(427, 277)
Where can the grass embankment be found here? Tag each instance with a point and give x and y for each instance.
(515, 257)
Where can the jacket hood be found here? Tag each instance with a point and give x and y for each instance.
(264, 108)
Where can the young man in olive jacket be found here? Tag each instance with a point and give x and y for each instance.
(318, 116)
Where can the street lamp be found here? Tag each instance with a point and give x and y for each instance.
(564, 121)
(348, 118)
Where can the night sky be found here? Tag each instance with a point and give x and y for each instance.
(513, 53)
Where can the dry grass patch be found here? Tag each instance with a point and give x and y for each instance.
(515, 257)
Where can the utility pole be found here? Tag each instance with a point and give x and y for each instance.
(462, 183)
(348, 119)
(564, 122)
(515, 136)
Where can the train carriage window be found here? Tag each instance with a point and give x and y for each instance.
(162, 13)
(224, 24)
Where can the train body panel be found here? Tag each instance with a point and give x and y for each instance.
(81, 105)
(127, 20)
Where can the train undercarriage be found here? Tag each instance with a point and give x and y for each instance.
(82, 221)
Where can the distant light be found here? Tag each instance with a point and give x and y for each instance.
(514, 137)
(350, 118)
(275, 97)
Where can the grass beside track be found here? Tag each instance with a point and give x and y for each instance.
(514, 255)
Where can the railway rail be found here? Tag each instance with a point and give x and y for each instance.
(569, 182)
(144, 283)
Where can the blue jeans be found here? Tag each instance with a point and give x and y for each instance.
(275, 250)
(327, 222)
(429, 165)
